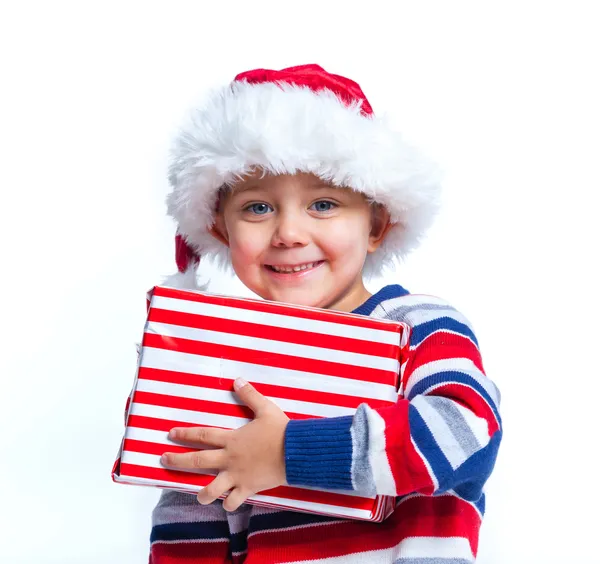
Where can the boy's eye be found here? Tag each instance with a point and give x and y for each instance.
(259, 209)
(323, 206)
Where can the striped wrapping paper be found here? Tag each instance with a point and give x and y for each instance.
(310, 362)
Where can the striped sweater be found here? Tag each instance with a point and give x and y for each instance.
(433, 450)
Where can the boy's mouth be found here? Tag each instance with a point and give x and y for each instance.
(293, 269)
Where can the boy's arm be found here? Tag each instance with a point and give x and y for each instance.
(442, 434)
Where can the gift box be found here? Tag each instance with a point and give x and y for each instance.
(312, 363)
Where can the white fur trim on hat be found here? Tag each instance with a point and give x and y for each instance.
(184, 280)
(283, 128)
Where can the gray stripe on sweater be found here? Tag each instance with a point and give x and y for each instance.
(433, 561)
(179, 507)
(459, 428)
(400, 312)
(363, 480)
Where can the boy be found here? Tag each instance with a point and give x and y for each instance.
(287, 177)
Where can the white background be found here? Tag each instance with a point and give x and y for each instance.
(504, 95)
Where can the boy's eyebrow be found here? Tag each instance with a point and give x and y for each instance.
(240, 190)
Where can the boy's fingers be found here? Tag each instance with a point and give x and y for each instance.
(203, 435)
(235, 498)
(199, 460)
(221, 484)
(250, 396)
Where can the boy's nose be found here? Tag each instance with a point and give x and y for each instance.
(289, 232)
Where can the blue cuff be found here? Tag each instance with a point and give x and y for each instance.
(318, 453)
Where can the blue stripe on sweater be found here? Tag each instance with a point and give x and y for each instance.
(480, 504)
(424, 330)
(190, 531)
(203, 530)
(286, 519)
(469, 478)
(472, 475)
(451, 377)
(238, 542)
(430, 449)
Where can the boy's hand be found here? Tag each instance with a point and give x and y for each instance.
(249, 459)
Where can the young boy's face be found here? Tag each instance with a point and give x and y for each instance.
(296, 239)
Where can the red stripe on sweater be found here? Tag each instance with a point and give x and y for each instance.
(442, 516)
(408, 468)
(206, 552)
(441, 346)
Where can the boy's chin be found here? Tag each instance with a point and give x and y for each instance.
(299, 298)
(305, 297)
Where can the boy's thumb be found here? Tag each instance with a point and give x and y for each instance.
(249, 395)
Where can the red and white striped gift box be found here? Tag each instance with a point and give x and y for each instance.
(310, 362)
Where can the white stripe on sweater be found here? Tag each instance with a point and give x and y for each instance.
(378, 460)
(464, 365)
(413, 550)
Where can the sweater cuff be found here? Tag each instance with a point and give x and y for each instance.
(318, 453)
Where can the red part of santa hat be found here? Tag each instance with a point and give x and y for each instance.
(299, 119)
(315, 78)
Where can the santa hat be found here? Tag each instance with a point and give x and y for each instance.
(299, 119)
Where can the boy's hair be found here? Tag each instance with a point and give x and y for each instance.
(300, 119)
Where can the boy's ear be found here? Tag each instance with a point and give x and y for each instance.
(218, 230)
(380, 225)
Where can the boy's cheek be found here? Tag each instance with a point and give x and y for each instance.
(246, 241)
(245, 254)
(347, 239)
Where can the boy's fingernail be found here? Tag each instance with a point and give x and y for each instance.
(239, 384)
(164, 459)
(172, 434)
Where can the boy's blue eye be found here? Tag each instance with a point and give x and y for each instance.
(259, 209)
(323, 206)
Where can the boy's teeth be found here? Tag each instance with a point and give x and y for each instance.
(293, 268)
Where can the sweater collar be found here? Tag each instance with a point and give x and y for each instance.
(386, 293)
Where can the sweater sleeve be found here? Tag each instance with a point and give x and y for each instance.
(442, 434)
